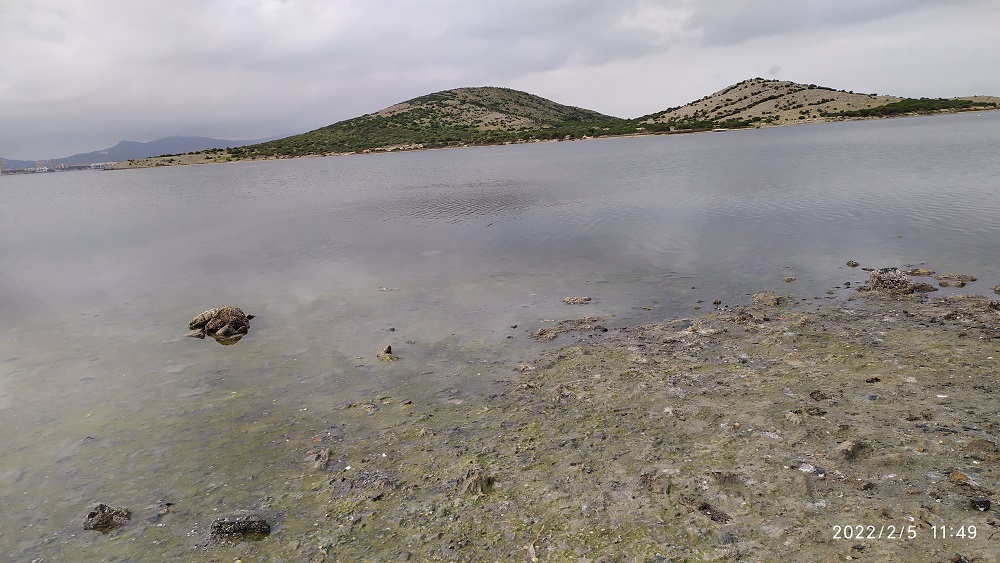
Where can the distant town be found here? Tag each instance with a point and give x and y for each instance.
(47, 166)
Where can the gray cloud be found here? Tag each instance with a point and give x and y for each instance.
(729, 22)
(79, 76)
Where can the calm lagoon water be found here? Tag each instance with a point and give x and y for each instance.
(438, 253)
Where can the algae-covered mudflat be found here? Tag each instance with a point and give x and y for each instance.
(862, 430)
(771, 430)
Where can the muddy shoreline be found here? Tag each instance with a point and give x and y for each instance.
(761, 433)
(222, 157)
(775, 430)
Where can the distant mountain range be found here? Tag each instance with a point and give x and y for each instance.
(126, 150)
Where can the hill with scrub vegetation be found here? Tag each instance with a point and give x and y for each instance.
(759, 102)
(463, 116)
(490, 116)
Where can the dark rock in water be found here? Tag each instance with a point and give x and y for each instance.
(105, 518)
(919, 272)
(386, 355)
(242, 524)
(955, 278)
(853, 263)
(576, 300)
(227, 325)
(923, 288)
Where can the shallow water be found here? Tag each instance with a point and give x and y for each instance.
(438, 253)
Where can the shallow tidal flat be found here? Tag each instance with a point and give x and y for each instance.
(759, 433)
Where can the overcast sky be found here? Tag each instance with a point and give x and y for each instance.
(78, 76)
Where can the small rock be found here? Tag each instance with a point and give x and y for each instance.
(888, 281)
(386, 355)
(654, 482)
(742, 316)
(849, 449)
(923, 288)
(372, 484)
(764, 299)
(959, 278)
(105, 518)
(544, 334)
(789, 279)
(981, 504)
(852, 264)
(959, 478)
(227, 325)
(242, 524)
(321, 459)
(818, 395)
(477, 481)
(810, 468)
(576, 300)
(920, 272)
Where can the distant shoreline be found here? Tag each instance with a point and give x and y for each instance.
(223, 157)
